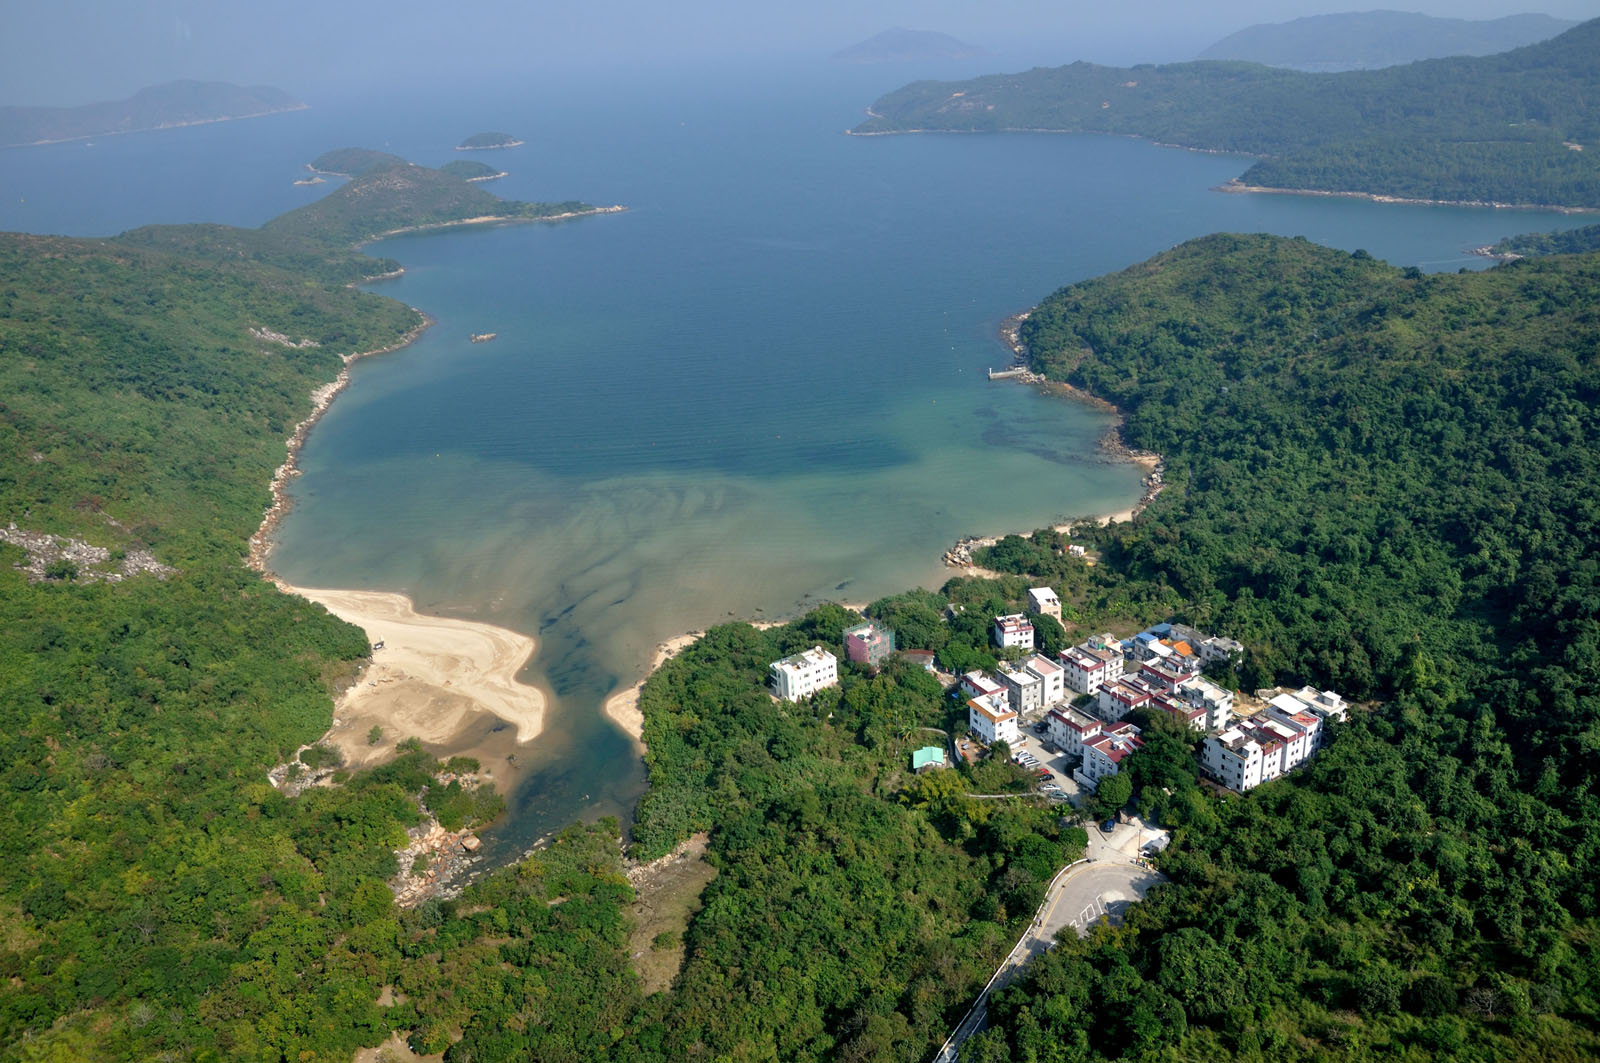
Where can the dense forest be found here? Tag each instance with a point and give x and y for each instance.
(1566, 242)
(1378, 483)
(1486, 129)
(1378, 480)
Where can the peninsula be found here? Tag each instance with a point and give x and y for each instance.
(165, 106)
(1506, 129)
(471, 170)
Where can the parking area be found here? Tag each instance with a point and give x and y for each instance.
(1045, 756)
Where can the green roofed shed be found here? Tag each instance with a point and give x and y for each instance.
(926, 758)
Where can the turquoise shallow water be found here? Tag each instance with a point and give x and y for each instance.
(759, 388)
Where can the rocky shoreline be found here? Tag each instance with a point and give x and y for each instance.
(261, 542)
(1238, 187)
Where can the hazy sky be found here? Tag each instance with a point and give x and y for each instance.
(74, 51)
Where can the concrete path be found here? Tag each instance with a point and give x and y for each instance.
(1080, 894)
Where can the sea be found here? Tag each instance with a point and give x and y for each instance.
(760, 388)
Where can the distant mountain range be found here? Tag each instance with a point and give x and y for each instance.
(899, 45)
(1517, 128)
(1367, 40)
(175, 103)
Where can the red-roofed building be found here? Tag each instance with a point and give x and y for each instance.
(1105, 753)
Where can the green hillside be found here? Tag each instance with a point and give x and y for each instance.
(158, 899)
(1494, 128)
(1567, 242)
(388, 197)
(1378, 482)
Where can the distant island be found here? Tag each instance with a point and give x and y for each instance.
(471, 170)
(1369, 40)
(351, 162)
(1505, 130)
(900, 45)
(488, 142)
(165, 106)
(387, 195)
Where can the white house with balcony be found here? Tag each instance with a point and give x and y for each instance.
(1013, 629)
(801, 675)
(1069, 729)
(991, 720)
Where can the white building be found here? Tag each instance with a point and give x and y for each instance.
(991, 720)
(1024, 691)
(1013, 629)
(1052, 679)
(1217, 702)
(1324, 703)
(1069, 729)
(1170, 672)
(1217, 648)
(1268, 744)
(1122, 697)
(1042, 601)
(1088, 669)
(976, 685)
(803, 674)
(1103, 754)
(1233, 759)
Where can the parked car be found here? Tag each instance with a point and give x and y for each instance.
(1108, 826)
(1041, 727)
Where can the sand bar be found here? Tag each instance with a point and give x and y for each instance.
(434, 679)
(623, 707)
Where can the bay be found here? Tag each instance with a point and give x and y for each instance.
(760, 388)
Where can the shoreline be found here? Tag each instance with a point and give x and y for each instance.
(260, 543)
(1237, 187)
(158, 128)
(1234, 186)
(488, 219)
(435, 679)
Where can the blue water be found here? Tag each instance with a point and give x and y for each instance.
(759, 388)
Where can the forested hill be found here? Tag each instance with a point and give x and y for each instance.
(1368, 40)
(1487, 129)
(158, 898)
(1567, 242)
(388, 196)
(1380, 480)
(175, 103)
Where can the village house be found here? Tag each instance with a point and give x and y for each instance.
(803, 674)
(1215, 701)
(1052, 677)
(928, 758)
(1069, 729)
(1042, 601)
(1103, 754)
(1122, 697)
(1088, 669)
(1277, 740)
(975, 684)
(868, 643)
(1013, 629)
(1024, 690)
(991, 720)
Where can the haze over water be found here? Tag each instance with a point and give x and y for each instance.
(760, 388)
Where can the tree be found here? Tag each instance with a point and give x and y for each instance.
(1114, 792)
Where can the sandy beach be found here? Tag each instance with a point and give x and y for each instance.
(623, 706)
(442, 680)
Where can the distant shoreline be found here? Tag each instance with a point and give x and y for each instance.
(158, 128)
(490, 147)
(489, 219)
(1236, 187)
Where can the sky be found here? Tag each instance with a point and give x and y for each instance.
(65, 52)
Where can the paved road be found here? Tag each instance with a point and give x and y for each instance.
(1078, 897)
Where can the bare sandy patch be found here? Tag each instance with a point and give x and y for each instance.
(450, 683)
